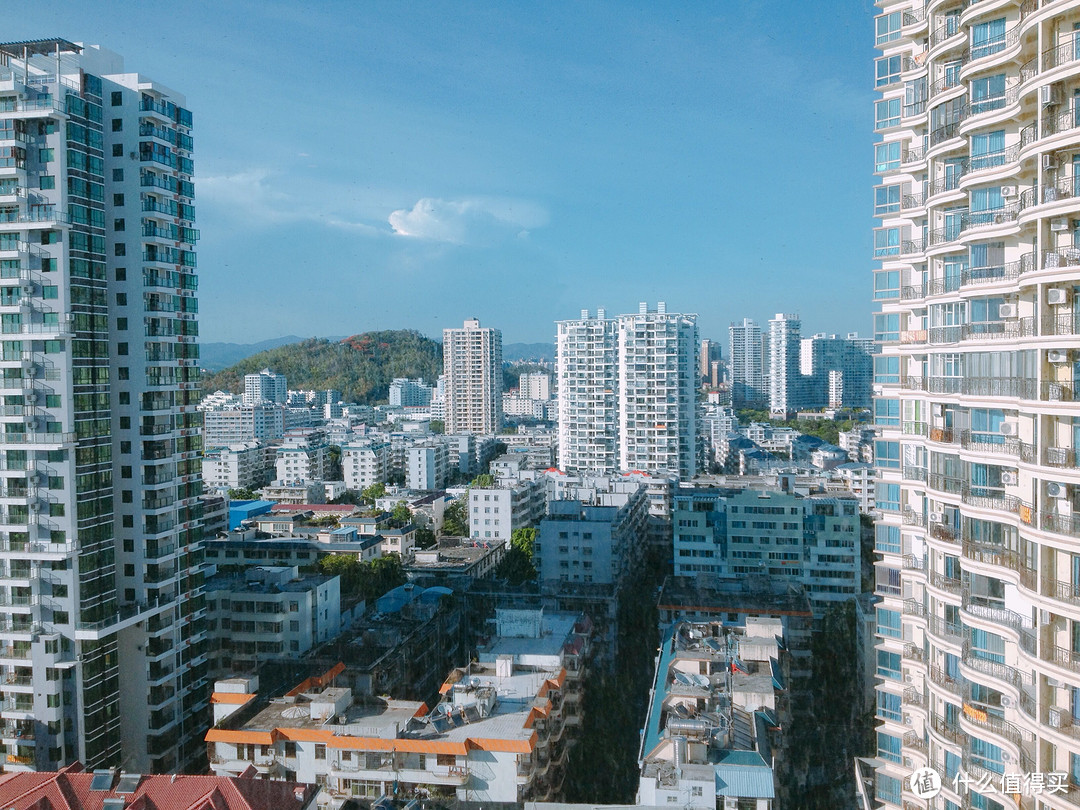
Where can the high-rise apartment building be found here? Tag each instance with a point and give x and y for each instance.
(586, 370)
(102, 635)
(472, 365)
(627, 392)
(786, 393)
(837, 371)
(748, 379)
(265, 386)
(978, 659)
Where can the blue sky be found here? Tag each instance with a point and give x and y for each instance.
(373, 165)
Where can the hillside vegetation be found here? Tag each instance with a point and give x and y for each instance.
(361, 366)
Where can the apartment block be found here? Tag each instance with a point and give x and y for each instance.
(104, 629)
(496, 511)
(977, 270)
(248, 465)
(406, 393)
(268, 613)
(787, 392)
(265, 386)
(364, 464)
(499, 733)
(304, 456)
(427, 466)
(224, 426)
(712, 734)
(627, 392)
(472, 365)
(749, 375)
(810, 540)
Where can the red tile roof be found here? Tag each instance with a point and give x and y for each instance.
(69, 789)
(333, 508)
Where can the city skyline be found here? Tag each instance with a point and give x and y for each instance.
(511, 164)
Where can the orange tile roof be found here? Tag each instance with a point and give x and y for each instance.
(317, 680)
(226, 735)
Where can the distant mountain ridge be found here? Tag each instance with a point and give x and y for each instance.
(219, 356)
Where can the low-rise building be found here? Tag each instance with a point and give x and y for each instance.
(247, 465)
(453, 560)
(499, 732)
(365, 463)
(712, 732)
(496, 511)
(75, 788)
(268, 613)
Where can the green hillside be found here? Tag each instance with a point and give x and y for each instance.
(361, 366)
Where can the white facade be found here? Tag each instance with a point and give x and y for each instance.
(427, 466)
(535, 386)
(101, 518)
(472, 365)
(748, 374)
(979, 532)
(239, 466)
(627, 392)
(304, 456)
(785, 381)
(266, 386)
(365, 463)
(235, 425)
(494, 512)
(408, 393)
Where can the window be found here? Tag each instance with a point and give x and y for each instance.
(118, 125)
(887, 496)
(887, 412)
(988, 93)
(886, 242)
(888, 747)
(887, 28)
(987, 38)
(886, 284)
(888, 538)
(887, 454)
(888, 706)
(887, 113)
(46, 155)
(117, 150)
(888, 665)
(887, 70)
(886, 156)
(118, 200)
(888, 623)
(118, 225)
(887, 327)
(117, 175)
(886, 200)
(121, 324)
(120, 249)
(46, 181)
(886, 369)
(121, 299)
(988, 149)
(117, 98)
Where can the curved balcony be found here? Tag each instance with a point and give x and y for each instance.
(1063, 124)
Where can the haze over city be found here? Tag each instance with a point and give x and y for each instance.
(367, 166)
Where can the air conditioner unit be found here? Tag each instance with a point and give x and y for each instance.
(1049, 163)
(28, 288)
(69, 317)
(908, 677)
(1059, 224)
(1009, 428)
(34, 506)
(907, 720)
(1058, 356)
(1007, 702)
(31, 396)
(1057, 296)
(33, 426)
(937, 517)
(1058, 717)
(1047, 96)
(1008, 191)
(1055, 489)
(1007, 310)
(1009, 478)
(30, 369)
(135, 155)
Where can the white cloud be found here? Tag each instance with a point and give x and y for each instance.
(470, 220)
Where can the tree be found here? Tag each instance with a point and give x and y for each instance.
(483, 481)
(243, 494)
(364, 580)
(425, 538)
(373, 493)
(516, 565)
(401, 513)
(437, 426)
(333, 454)
(456, 518)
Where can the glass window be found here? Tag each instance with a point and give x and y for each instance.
(887, 496)
(988, 149)
(887, 70)
(888, 788)
(886, 284)
(887, 113)
(886, 200)
(888, 666)
(888, 623)
(46, 181)
(987, 93)
(886, 369)
(888, 746)
(887, 327)
(887, 454)
(886, 156)
(987, 38)
(887, 28)
(886, 242)
(888, 538)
